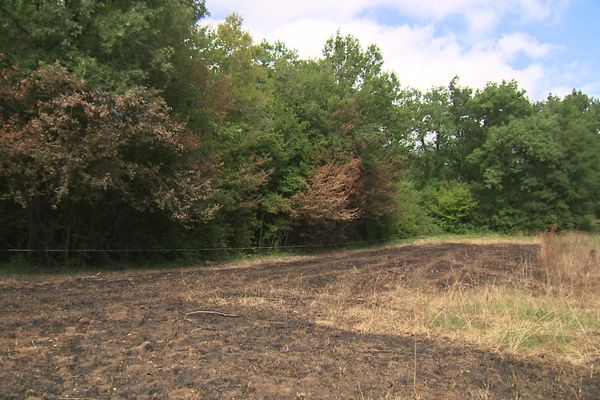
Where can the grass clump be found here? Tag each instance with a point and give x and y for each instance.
(509, 319)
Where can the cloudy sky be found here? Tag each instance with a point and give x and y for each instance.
(548, 46)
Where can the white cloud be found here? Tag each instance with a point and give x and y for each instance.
(269, 13)
(562, 80)
(483, 20)
(514, 43)
(421, 54)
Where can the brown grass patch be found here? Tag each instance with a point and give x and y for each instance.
(549, 308)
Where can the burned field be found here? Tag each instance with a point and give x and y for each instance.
(340, 325)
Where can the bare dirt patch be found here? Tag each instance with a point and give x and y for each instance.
(127, 335)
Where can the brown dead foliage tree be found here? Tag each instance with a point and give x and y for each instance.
(82, 163)
(326, 204)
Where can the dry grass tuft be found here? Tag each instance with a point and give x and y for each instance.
(481, 239)
(511, 320)
(571, 263)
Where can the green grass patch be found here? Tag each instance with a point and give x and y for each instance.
(516, 321)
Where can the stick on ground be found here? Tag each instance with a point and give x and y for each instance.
(209, 312)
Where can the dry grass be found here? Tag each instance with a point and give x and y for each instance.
(481, 239)
(571, 263)
(558, 317)
(550, 307)
(508, 319)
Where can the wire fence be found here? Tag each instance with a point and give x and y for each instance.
(391, 239)
(198, 249)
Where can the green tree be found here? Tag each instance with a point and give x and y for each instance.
(432, 130)
(450, 205)
(578, 116)
(530, 180)
(521, 171)
(111, 44)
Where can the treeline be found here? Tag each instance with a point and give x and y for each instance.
(129, 124)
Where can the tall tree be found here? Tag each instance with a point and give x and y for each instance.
(112, 44)
(538, 170)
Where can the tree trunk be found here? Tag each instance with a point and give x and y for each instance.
(67, 239)
(262, 224)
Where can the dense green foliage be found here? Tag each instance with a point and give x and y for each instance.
(128, 124)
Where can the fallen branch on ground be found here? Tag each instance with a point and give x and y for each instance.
(209, 312)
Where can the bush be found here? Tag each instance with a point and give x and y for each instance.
(413, 218)
(450, 205)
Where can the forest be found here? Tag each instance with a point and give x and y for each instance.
(132, 124)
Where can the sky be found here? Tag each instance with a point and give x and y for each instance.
(547, 46)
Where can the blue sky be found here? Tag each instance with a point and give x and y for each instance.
(548, 46)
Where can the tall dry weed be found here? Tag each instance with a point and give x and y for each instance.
(570, 263)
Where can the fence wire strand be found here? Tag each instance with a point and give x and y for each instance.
(242, 248)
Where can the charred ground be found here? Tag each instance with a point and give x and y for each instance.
(126, 335)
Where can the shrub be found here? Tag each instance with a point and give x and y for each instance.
(450, 205)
